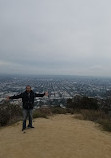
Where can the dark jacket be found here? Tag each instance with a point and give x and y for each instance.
(27, 98)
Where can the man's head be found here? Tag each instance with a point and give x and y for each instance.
(28, 88)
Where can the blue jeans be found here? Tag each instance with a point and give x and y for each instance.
(27, 113)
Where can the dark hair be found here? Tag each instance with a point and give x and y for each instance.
(28, 86)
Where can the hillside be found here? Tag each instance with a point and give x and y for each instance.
(60, 136)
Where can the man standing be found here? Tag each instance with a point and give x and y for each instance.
(28, 104)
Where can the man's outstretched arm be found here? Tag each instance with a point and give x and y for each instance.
(41, 95)
(15, 96)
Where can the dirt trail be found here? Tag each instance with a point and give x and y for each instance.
(60, 136)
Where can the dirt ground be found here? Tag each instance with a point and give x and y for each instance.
(60, 136)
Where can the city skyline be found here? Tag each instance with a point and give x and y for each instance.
(59, 88)
(55, 37)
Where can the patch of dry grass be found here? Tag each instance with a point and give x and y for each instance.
(96, 116)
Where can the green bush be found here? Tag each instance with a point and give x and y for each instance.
(82, 102)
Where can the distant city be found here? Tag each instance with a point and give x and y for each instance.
(60, 88)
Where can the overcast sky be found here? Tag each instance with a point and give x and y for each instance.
(55, 37)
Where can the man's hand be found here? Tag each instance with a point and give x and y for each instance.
(46, 94)
(8, 98)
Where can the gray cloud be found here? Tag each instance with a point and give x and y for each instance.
(55, 37)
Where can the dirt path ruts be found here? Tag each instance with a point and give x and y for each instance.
(60, 136)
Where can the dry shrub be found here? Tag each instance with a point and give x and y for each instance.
(42, 112)
(58, 110)
(93, 115)
(9, 113)
(97, 116)
(106, 124)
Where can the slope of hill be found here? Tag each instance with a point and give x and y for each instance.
(60, 136)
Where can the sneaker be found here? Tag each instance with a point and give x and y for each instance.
(30, 126)
(23, 129)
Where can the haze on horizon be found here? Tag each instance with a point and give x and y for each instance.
(57, 37)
